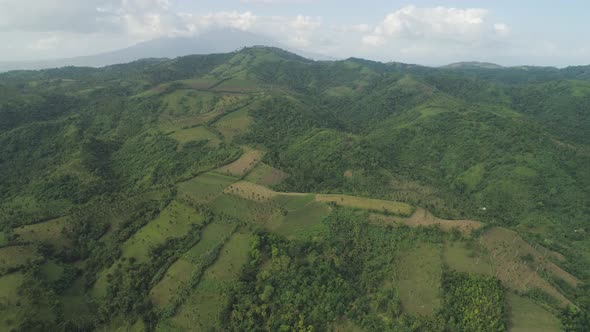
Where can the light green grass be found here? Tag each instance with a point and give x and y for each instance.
(291, 202)
(234, 124)
(237, 85)
(241, 208)
(419, 270)
(300, 222)
(181, 271)
(198, 133)
(462, 259)
(51, 271)
(51, 232)
(473, 176)
(377, 205)
(174, 221)
(75, 302)
(10, 313)
(205, 187)
(265, 175)
(202, 308)
(15, 257)
(339, 91)
(527, 316)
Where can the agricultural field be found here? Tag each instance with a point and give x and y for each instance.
(203, 307)
(179, 273)
(421, 217)
(205, 187)
(377, 205)
(175, 221)
(418, 278)
(234, 124)
(15, 257)
(9, 297)
(519, 265)
(243, 165)
(300, 222)
(266, 175)
(524, 315)
(459, 257)
(243, 209)
(51, 232)
(236, 85)
(199, 133)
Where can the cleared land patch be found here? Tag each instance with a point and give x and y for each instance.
(527, 316)
(202, 308)
(205, 187)
(418, 274)
(421, 217)
(174, 221)
(198, 133)
(377, 205)
(507, 249)
(234, 124)
(462, 259)
(266, 175)
(243, 165)
(9, 297)
(51, 232)
(15, 257)
(179, 273)
(301, 222)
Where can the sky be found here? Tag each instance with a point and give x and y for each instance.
(523, 32)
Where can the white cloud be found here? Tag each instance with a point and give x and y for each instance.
(373, 40)
(301, 23)
(44, 44)
(436, 23)
(275, 2)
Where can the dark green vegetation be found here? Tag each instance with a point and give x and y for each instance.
(132, 197)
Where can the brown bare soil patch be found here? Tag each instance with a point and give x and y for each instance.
(424, 218)
(242, 166)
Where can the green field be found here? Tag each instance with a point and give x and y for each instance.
(234, 124)
(299, 221)
(179, 273)
(51, 232)
(462, 259)
(9, 297)
(198, 133)
(377, 205)
(202, 308)
(175, 221)
(527, 316)
(15, 257)
(419, 271)
(265, 175)
(243, 209)
(205, 187)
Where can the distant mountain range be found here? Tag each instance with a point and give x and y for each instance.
(216, 41)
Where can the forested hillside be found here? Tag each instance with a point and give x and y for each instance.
(262, 191)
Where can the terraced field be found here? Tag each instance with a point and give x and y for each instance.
(179, 274)
(203, 306)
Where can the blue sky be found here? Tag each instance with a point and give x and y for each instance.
(426, 32)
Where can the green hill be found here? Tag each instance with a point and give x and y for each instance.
(259, 190)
